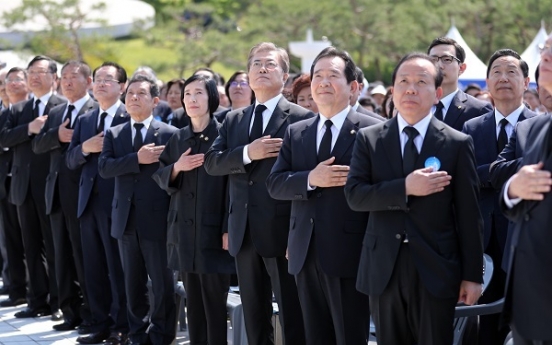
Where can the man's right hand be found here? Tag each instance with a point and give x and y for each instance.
(530, 183)
(424, 182)
(94, 144)
(264, 147)
(149, 154)
(36, 125)
(65, 134)
(327, 175)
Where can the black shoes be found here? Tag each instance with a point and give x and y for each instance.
(33, 312)
(94, 338)
(56, 315)
(116, 339)
(67, 325)
(12, 302)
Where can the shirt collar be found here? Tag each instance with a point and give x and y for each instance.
(512, 118)
(80, 103)
(45, 98)
(337, 120)
(146, 122)
(111, 111)
(447, 100)
(271, 103)
(421, 126)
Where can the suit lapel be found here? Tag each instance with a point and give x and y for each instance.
(120, 116)
(456, 108)
(279, 116)
(433, 141)
(126, 138)
(489, 129)
(346, 136)
(309, 142)
(389, 136)
(244, 120)
(152, 132)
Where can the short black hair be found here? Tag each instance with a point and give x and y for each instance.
(83, 67)
(359, 75)
(210, 86)
(460, 53)
(52, 66)
(215, 75)
(121, 72)
(508, 52)
(350, 67)
(15, 70)
(411, 56)
(154, 88)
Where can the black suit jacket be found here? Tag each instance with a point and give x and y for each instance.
(250, 203)
(463, 108)
(180, 120)
(86, 128)
(199, 207)
(528, 297)
(15, 135)
(361, 110)
(47, 141)
(482, 129)
(323, 212)
(444, 229)
(6, 156)
(133, 183)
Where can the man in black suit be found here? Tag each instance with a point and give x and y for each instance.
(258, 226)
(526, 200)
(422, 251)
(507, 79)
(104, 283)
(455, 106)
(62, 192)
(29, 172)
(325, 237)
(139, 213)
(17, 91)
(353, 101)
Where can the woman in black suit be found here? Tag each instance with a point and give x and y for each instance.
(198, 214)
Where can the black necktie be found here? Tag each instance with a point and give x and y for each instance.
(502, 136)
(257, 129)
(325, 149)
(69, 114)
(439, 111)
(102, 122)
(35, 109)
(138, 140)
(410, 154)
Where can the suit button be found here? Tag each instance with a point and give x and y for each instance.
(190, 195)
(245, 205)
(318, 195)
(312, 221)
(398, 236)
(91, 179)
(135, 180)
(129, 199)
(526, 218)
(189, 222)
(250, 183)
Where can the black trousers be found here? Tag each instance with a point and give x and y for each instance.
(259, 277)
(334, 311)
(206, 296)
(520, 340)
(142, 258)
(406, 313)
(14, 248)
(39, 248)
(103, 271)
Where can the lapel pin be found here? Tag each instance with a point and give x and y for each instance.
(353, 131)
(155, 134)
(459, 107)
(433, 162)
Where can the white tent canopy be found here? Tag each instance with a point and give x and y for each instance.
(531, 55)
(476, 70)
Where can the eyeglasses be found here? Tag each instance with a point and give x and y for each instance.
(240, 83)
(16, 80)
(269, 65)
(545, 47)
(39, 72)
(106, 81)
(445, 59)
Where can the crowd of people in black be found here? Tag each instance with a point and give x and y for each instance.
(337, 200)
